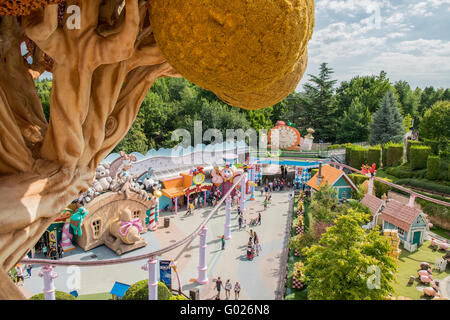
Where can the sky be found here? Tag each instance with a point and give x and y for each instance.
(409, 39)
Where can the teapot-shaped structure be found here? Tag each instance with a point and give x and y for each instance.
(126, 233)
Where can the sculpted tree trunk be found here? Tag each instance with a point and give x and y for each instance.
(101, 74)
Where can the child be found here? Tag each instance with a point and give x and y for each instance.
(244, 226)
(266, 202)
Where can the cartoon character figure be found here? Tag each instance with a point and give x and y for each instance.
(227, 173)
(77, 219)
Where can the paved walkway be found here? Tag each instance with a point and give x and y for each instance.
(259, 278)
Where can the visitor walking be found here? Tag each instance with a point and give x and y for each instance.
(223, 242)
(19, 274)
(240, 222)
(219, 286)
(28, 268)
(237, 289)
(60, 251)
(228, 287)
(258, 222)
(255, 237)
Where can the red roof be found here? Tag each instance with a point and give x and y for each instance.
(372, 202)
(399, 214)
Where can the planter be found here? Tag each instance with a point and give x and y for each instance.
(297, 284)
(300, 229)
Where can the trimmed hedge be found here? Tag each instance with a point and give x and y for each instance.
(339, 146)
(348, 151)
(374, 156)
(427, 185)
(59, 295)
(433, 167)
(394, 154)
(433, 144)
(419, 156)
(358, 157)
(313, 172)
(139, 291)
(404, 172)
(408, 147)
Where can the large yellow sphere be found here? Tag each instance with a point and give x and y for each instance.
(270, 95)
(232, 46)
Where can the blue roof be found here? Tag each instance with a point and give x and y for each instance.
(119, 289)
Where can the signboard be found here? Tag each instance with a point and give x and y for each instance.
(165, 273)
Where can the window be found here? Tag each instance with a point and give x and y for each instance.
(96, 226)
(136, 214)
(401, 232)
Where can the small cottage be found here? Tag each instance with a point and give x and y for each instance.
(410, 222)
(375, 205)
(335, 178)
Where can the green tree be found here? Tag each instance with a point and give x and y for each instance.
(44, 87)
(370, 90)
(317, 108)
(408, 100)
(347, 259)
(435, 123)
(135, 140)
(324, 203)
(354, 125)
(387, 122)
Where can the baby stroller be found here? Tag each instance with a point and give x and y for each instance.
(253, 222)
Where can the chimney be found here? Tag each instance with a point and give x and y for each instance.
(319, 176)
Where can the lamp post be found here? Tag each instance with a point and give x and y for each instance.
(227, 232)
(202, 267)
(150, 266)
(48, 275)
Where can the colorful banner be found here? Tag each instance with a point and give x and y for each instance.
(165, 273)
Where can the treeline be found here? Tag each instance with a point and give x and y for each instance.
(339, 114)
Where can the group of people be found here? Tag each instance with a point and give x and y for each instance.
(228, 287)
(19, 276)
(277, 184)
(49, 250)
(253, 245)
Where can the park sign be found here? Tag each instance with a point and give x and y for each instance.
(165, 272)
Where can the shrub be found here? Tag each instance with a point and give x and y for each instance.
(348, 150)
(426, 185)
(433, 209)
(444, 155)
(139, 291)
(419, 156)
(313, 172)
(409, 144)
(433, 167)
(433, 144)
(59, 295)
(394, 154)
(404, 172)
(358, 157)
(374, 156)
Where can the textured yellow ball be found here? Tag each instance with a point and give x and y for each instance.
(232, 46)
(271, 94)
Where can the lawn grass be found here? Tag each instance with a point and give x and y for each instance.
(96, 296)
(409, 264)
(382, 174)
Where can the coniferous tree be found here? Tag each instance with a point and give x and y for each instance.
(387, 122)
(317, 108)
(354, 125)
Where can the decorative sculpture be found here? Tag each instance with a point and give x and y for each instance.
(44, 166)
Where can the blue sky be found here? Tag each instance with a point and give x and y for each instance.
(409, 39)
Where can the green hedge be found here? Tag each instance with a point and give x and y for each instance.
(433, 144)
(374, 156)
(408, 147)
(419, 156)
(59, 295)
(313, 172)
(339, 146)
(380, 188)
(433, 209)
(427, 185)
(348, 151)
(404, 172)
(358, 157)
(139, 291)
(433, 167)
(394, 154)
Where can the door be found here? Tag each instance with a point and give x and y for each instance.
(416, 237)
